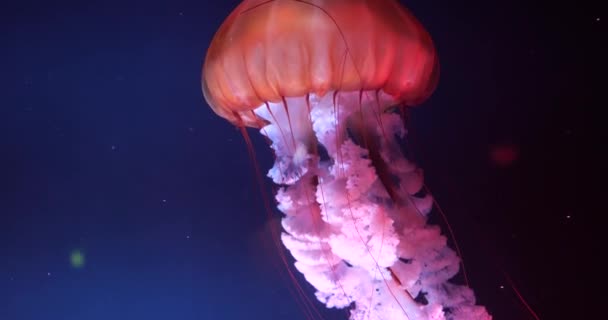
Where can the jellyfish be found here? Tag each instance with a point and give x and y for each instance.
(328, 83)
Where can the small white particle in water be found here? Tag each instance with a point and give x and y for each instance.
(113, 147)
(187, 237)
(501, 286)
(48, 273)
(568, 216)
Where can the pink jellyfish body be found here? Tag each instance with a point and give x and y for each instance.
(326, 81)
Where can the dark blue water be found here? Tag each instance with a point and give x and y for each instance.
(109, 153)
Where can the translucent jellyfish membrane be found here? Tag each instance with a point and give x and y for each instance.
(354, 217)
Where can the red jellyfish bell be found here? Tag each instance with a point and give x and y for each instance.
(269, 50)
(319, 78)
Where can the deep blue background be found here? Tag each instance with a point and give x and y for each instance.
(107, 146)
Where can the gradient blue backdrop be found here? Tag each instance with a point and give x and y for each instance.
(106, 146)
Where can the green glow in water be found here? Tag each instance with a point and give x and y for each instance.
(77, 259)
